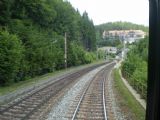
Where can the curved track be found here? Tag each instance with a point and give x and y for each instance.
(91, 104)
(24, 108)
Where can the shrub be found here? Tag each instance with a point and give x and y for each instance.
(11, 53)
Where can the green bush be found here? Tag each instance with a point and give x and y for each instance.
(11, 53)
(77, 55)
(134, 68)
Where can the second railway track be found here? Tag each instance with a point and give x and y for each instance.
(25, 107)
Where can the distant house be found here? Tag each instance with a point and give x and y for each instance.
(109, 50)
(125, 35)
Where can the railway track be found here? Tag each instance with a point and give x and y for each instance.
(23, 108)
(91, 103)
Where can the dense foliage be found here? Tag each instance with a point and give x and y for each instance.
(32, 38)
(11, 55)
(115, 26)
(134, 67)
(107, 42)
(121, 26)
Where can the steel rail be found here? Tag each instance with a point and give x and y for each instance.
(104, 101)
(75, 112)
(84, 92)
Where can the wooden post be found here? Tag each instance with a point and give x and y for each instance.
(65, 50)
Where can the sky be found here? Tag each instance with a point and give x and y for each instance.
(102, 11)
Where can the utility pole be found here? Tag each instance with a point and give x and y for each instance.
(65, 50)
(97, 51)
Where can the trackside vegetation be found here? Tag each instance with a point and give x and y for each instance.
(134, 68)
(128, 104)
(32, 38)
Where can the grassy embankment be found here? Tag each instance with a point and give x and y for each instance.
(126, 101)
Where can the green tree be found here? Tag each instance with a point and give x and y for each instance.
(11, 53)
(5, 11)
(39, 26)
(88, 33)
(135, 66)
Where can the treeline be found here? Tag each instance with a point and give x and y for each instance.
(134, 67)
(32, 38)
(115, 26)
(107, 42)
(121, 26)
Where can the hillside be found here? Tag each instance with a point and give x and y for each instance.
(32, 38)
(120, 26)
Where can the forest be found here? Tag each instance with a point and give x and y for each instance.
(32, 38)
(120, 26)
(134, 68)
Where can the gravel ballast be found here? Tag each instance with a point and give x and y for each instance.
(60, 110)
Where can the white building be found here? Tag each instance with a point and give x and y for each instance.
(108, 50)
(126, 35)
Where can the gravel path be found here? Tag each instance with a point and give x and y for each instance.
(112, 103)
(59, 112)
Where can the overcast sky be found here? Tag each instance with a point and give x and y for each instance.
(102, 11)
